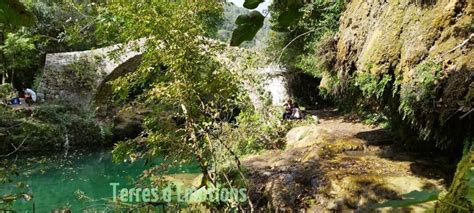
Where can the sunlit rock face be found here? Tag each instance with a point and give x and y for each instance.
(275, 84)
(393, 37)
(379, 36)
(398, 40)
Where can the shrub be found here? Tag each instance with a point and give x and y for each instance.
(6, 91)
(418, 95)
(254, 132)
(84, 73)
(324, 57)
(372, 85)
(47, 127)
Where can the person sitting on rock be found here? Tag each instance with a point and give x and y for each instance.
(14, 101)
(288, 110)
(30, 96)
(296, 112)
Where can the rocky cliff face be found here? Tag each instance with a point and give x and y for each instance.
(414, 60)
(399, 34)
(414, 57)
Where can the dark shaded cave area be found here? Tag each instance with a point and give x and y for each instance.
(304, 90)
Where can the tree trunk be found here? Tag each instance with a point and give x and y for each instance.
(2, 58)
(12, 76)
(198, 153)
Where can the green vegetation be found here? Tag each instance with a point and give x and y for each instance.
(192, 99)
(84, 73)
(372, 85)
(412, 198)
(410, 102)
(6, 92)
(224, 34)
(322, 57)
(287, 15)
(460, 196)
(58, 27)
(48, 127)
(418, 94)
(247, 27)
(254, 132)
(188, 107)
(20, 55)
(13, 12)
(45, 128)
(319, 20)
(421, 104)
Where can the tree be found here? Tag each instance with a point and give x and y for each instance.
(190, 92)
(20, 54)
(59, 26)
(12, 13)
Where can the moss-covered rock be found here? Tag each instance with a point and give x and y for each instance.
(461, 192)
(410, 59)
(335, 167)
(341, 145)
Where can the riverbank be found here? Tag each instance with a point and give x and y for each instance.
(341, 165)
(338, 164)
(50, 127)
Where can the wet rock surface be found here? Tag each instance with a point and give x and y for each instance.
(334, 166)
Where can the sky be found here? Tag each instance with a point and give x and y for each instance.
(261, 7)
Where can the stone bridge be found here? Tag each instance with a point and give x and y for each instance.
(64, 79)
(77, 77)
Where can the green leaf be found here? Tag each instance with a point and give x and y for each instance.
(15, 13)
(247, 27)
(252, 4)
(470, 185)
(412, 198)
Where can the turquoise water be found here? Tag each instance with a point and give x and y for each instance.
(80, 181)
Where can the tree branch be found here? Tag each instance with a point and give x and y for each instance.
(297, 37)
(16, 148)
(457, 47)
(466, 114)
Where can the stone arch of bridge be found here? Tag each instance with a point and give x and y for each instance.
(103, 97)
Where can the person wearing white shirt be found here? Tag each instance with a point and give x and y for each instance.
(296, 112)
(30, 95)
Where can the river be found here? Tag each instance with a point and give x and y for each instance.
(79, 181)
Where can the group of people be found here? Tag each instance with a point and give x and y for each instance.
(30, 97)
(292, 111)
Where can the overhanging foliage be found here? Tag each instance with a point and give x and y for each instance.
(13, 12)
